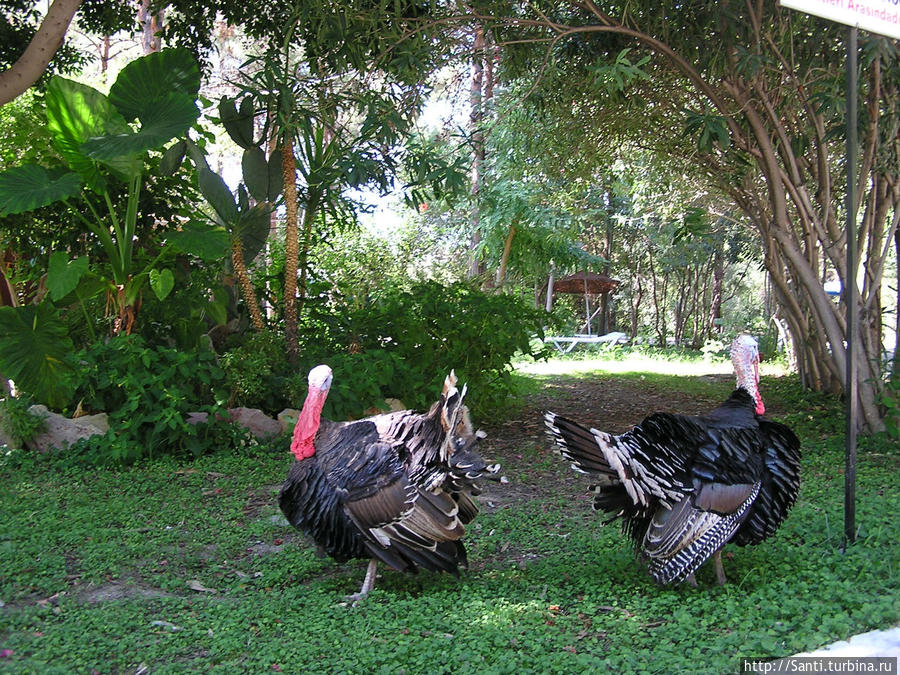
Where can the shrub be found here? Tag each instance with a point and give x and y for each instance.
(396, 344)
(255, 372)
(17, 421)
(433, 328)
(147, 392)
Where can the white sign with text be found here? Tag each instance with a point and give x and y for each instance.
(877, 16)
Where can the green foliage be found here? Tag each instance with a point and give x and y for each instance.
(433, 328)
(616, 78)
(396, 343)
(711, 130)
(255, 372)
(890, 402)
(17, 422)
(148, 392)
(102, 151)
(35, 352)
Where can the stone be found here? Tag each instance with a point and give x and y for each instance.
(61, 432)
(255, 421)
(287, 418)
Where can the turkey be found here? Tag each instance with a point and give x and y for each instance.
(685, 486)
(396, 488)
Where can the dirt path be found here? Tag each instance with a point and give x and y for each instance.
(608, 402)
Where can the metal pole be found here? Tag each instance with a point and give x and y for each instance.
(851, 296)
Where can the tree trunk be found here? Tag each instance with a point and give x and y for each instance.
(291, 248)
(476, 101)
(40, 51)
(151, 24)
(240, 269)
(504, 259)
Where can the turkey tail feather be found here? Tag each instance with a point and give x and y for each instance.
(578, 445)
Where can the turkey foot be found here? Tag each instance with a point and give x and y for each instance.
(368, 584)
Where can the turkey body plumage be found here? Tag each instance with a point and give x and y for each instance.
(684, 485)
(397, 488)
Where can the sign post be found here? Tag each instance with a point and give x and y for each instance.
(882, 17)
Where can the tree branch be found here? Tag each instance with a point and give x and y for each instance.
(37, 56)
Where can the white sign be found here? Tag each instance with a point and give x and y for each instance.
(876, 16)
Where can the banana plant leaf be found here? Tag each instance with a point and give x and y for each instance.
(77, 112)
(29, 187)
(238, 123)
(264, 178)
(36, 352)
(216, 192)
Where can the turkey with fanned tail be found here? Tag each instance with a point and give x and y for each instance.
(396, 488)
(685, 485)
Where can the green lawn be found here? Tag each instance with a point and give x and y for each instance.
(105, 569)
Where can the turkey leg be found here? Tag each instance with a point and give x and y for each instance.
(368, 583)
(720, 570)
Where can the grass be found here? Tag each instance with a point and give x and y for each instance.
(105, 569)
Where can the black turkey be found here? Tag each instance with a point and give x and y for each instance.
(685, 486)
(396, 487)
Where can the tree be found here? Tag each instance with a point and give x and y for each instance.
(750, 95)
(37, 56)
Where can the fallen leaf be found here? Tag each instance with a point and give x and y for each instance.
(195, 585)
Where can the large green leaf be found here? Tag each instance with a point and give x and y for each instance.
(75, 113)
(63, 275)
(162, 282)
(216, 192)
(264, 178)
(207, 243)
(238, 124)
(146, 82)
(35, 352)
(30, 187)
(173, 116)
(253, 230)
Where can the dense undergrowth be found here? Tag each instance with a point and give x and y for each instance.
(189, 566)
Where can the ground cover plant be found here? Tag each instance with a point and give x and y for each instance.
(173, 565)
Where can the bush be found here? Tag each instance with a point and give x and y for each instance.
(18, 422)
(147, 392)
(397, 344)
(433, 328)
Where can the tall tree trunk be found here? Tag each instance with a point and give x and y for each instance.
(504, 258)
(151, 24)
(240, 270)
(40, 51)
(291, 248)
(476, 102)
(715, 305)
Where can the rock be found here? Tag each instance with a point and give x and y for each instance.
(100, 421)
(394, 404)
(287, 418)
(255, 421)
(197, 418)
(61, 432)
